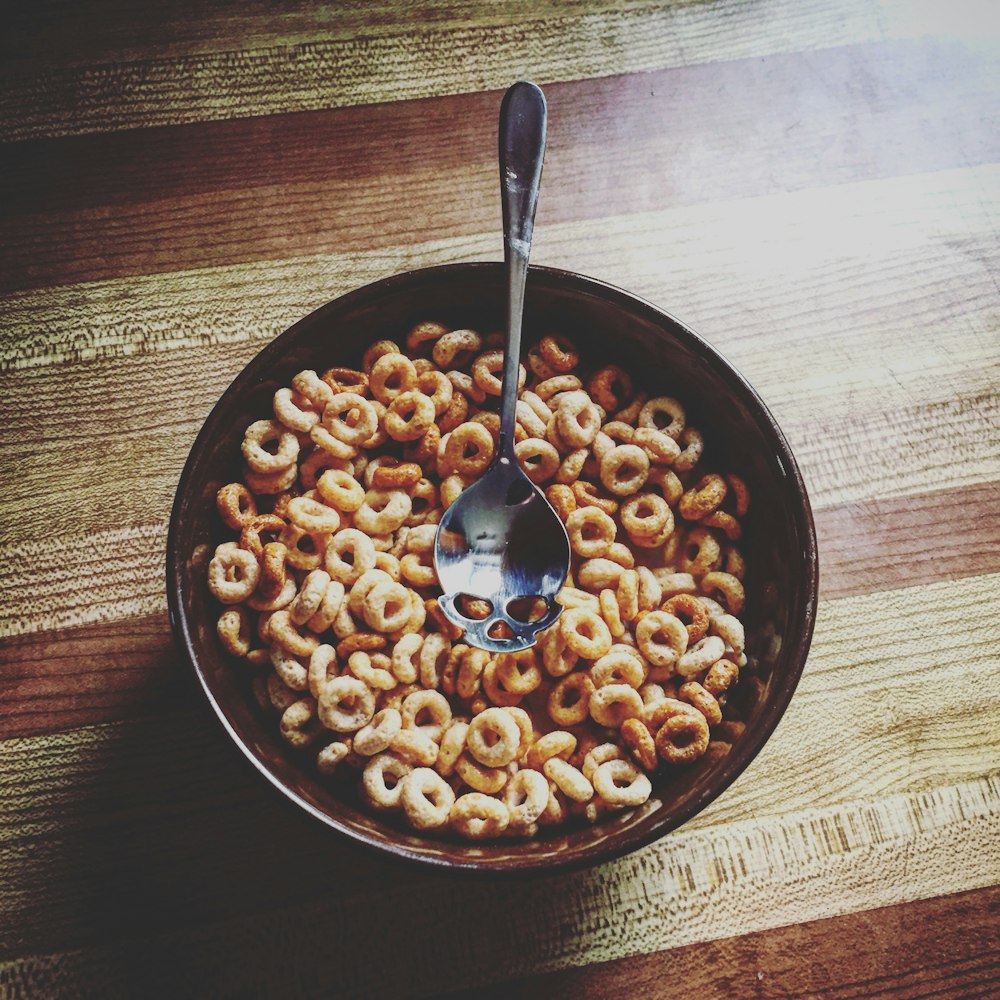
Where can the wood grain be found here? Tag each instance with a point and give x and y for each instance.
(183, 198)
(947, 945)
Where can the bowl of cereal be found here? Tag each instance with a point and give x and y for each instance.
(302, 586)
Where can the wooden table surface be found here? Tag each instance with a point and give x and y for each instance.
(815, 187)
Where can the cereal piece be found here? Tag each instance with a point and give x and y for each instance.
(299, 726)
(646, 514)
(450, 345)
(701, 656)
(702, 552)
(703, 700)
(585, 633)
(427, 799)
(382, 781)
(585, 496)
(620, 665)
(469, 450)
(538, 458)
(624, 469)
(663, 413)
(637, 737)
(729, 629)
(690, 610)
(693, 444)
(568, 779)
(258, 436)
(559, 353)
(309, 599)
(662, 638)
(599, 574)
(483, 779)
(232, 574)
(660, 447)
(493, 738)
(682, 738)
(702, 499)
(313, 517)
(611, 612)
(612, 704)
(728, 588)
(382, 512)
(526, 796)
(569, 700)
(610, 387)
(331, 756)
(236, 506)
(590, 531)
(577, 420)
(478, 817)
(409, 416)
(349, 553)
(414, 747)
(346, 704)
(390, 376)
(233, 628)
(428, 712)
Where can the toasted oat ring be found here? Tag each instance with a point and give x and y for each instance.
(578, 420)
(702, 552)
(308, 386)
(612, 704)
(261, 524)
(233, 574)
(349, 541)
(585, 496)
(478, 816)
(729, 629)
(646, 514)
(590, 531)
(667, 409)
(233, 628)
(299, 726)
(339, 412)
(294, 538)
(391, 375)
(599, 574)
(332, 445)
(383, 511)
(701, 500)
(376, 736)
(485, 369)
(346, 704)
(740, 493)
(624, 469)
(414, 747)
(317, 462)
(377, 790)
(557, 383)
(387, 607)
(346, 380)
(721, 676)
(693, 446)
(269, 483)
(701, 656)
(469, 450)
(294, 417)
(538, 459)
(585, 633)
(526, 796)
(725, 522)
(518, 672)
(341, 490)
(493, 738)
(663, 653)
(559, 353)
(409, 416)
(561, 497)
(621, 783)
(427, 799)
(264, 432)
(427, 711)
(627, 595)
(572, 466)
(313, 517)
(661, 448)
(703, 700)
(236, 505)
(557, 743)
(569, 780)
(682, 738)
(729, 589)
(437, 387)
(483, 779)
(309, 599)
(618, 667)
(690, 610)
(449, 345)
(424, 332)
(322, 669)
(284, 632)
(637, 737)
(611, 612)
(377, 350)
(418, 570)
(497, 694)
(610, 387)
(470, 672)
(530, 421)
(569, 700)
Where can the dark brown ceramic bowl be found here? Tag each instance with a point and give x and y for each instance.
(667, 358)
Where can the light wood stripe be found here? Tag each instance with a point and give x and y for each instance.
(321, 72)
(867, 716)
(692, 886)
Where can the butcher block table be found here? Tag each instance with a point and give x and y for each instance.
(814, 187)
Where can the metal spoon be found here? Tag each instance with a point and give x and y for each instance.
(501, 540)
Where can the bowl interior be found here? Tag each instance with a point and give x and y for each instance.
(664, 357)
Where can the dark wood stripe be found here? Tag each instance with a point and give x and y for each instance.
(192, 196)
(57, 680)
(943, 948)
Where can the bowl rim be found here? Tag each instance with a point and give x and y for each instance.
(627, 840)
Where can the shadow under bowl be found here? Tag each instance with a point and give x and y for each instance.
(665, 358)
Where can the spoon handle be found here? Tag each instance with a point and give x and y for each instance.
(523, 116)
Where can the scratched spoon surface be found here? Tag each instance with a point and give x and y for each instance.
(501, 540)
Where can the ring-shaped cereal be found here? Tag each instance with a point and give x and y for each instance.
(610, 387)
(682, 738)
(703, 700)
(409, 416)
(721, 676)
(546, 389)
(387, 607)
(599, 574)
(427, 331)
(728, 587)
(483, 779)
(620, 783)
(570, 469)
(585, 495)
(308, 386)
(236, 505)
(701, 552)
(585, 633)
(624, 469)
(693, 445)
(284, 632)
(666, 409)
(557, 743)
(560, 496)
(322, 669)
(391, 375)
(526, 796)
(730, 629)
(569, 700)
(377, 789)
(485, 369)
(233, 574)
(518, 672)
(264, 432)
(361, 587)
(233, 629)
(330, 757)
(270, 484)
(383, 511)
(611, 612)
(618, 667)
(470, 672)
(310, 597)
(627, 595)
(578, 420)
(666, 651)
(701, 656)
(294, 417)
(740, 494)
(337, 418)
(427, 799)
(702, 499)
(723, 521)
(299, 726)
(612, 704)
(538, 459)
(353, 543)
(497, 694)
(376, 736)
(377, 350)
(415, 747)
(690, 610)
(568, 779)
(333, 446)
(591, 532)
(661, 448)
(269, 524)
(346, 704)
(346, 380)
(646, 514)
(455, 414)
(639, 740)
(427, 711)
(478, 817)
(559, 353)
(469, 450)
(313, 517)
(450, 345)
(493, 738)
(305, 550)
